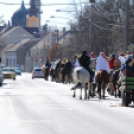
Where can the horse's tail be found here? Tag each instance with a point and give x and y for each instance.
(100, 81)
(78, 74)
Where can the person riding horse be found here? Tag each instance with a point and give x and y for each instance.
(111, 61)
(67, 67)
(46, 68)
(47, 62)
(84, 61)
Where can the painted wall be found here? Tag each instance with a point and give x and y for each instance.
(32, 21)
(11, 59)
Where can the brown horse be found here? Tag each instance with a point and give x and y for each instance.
(102, 79)
(46, 73)
(52, 74)
(67, 72)
(58, 71)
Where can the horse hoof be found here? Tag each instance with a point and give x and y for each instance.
(85, 98)
(103, 97)
(73, 96)
(88, 98)
(80, 98)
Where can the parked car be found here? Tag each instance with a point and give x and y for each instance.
(17, 71)
(37, 73)
(2, 66)
(9, 73)
(1, 78)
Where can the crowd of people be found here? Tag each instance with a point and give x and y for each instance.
(123, 62)
(115, 61)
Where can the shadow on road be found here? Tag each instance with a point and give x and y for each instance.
(3, 84)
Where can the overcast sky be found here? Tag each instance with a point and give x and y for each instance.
(8, 10)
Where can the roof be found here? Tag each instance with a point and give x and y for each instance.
(5, 48)
(8, 32)
(31, 43)
(21, 12)
(16, 46)
(1, 28)
(19, 17)
(40, 44)
(6, 29)
(31, 30)
(15, 34)
(65, 34)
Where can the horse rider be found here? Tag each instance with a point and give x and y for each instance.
(121, 58)
(111, 61)
(128, 55)
(117, 63)
(74, 61)
(67, 66)
(77, 64)
(84, 61)
(92, 54)
(102, 64)
(47, 62)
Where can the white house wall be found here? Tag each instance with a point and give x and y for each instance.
(11, 59)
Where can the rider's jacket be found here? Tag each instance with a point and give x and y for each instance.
(111, 63)
(84, 60)
(47, 63)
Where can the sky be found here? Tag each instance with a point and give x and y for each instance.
(8, 10)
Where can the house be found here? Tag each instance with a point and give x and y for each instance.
(14, 35)
(12, 58)
(3, 53)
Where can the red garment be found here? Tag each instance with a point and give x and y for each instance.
(111, 63)
(93, 57)
(104, 56)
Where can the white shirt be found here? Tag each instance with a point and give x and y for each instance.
(122, 60)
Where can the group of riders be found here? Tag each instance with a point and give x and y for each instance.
(118, 63)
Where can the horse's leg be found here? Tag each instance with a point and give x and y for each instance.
(94, 86)
(68, 79)
(85, 90)
(88, 90)
(103, 86)
(99, 90)
(74, 91)
(81, 92)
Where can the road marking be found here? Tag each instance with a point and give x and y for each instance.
(12, 109)
(44, 101)
(58, 108)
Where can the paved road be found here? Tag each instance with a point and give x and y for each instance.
(38, 107)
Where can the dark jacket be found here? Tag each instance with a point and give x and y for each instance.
(129, 69)
(84, 60)
(47, 63)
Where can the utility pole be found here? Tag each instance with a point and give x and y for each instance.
(91, 28)
(126, 24)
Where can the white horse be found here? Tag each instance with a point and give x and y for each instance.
(81, 75)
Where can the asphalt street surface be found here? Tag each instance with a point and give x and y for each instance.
(42, 107)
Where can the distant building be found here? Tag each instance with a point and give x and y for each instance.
(27, 17)
(19, 17)
(12, 35)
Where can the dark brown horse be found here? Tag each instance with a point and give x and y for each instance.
(67, 72)
(52, 74)
(46, 72)
(102, 79)
(58, 71)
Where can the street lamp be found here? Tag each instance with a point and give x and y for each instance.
(126, 24)
(59, 10)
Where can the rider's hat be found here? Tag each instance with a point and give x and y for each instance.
(84, 52)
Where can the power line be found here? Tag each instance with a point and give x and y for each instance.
(49, 4)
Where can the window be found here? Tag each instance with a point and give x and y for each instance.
(33, 24)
